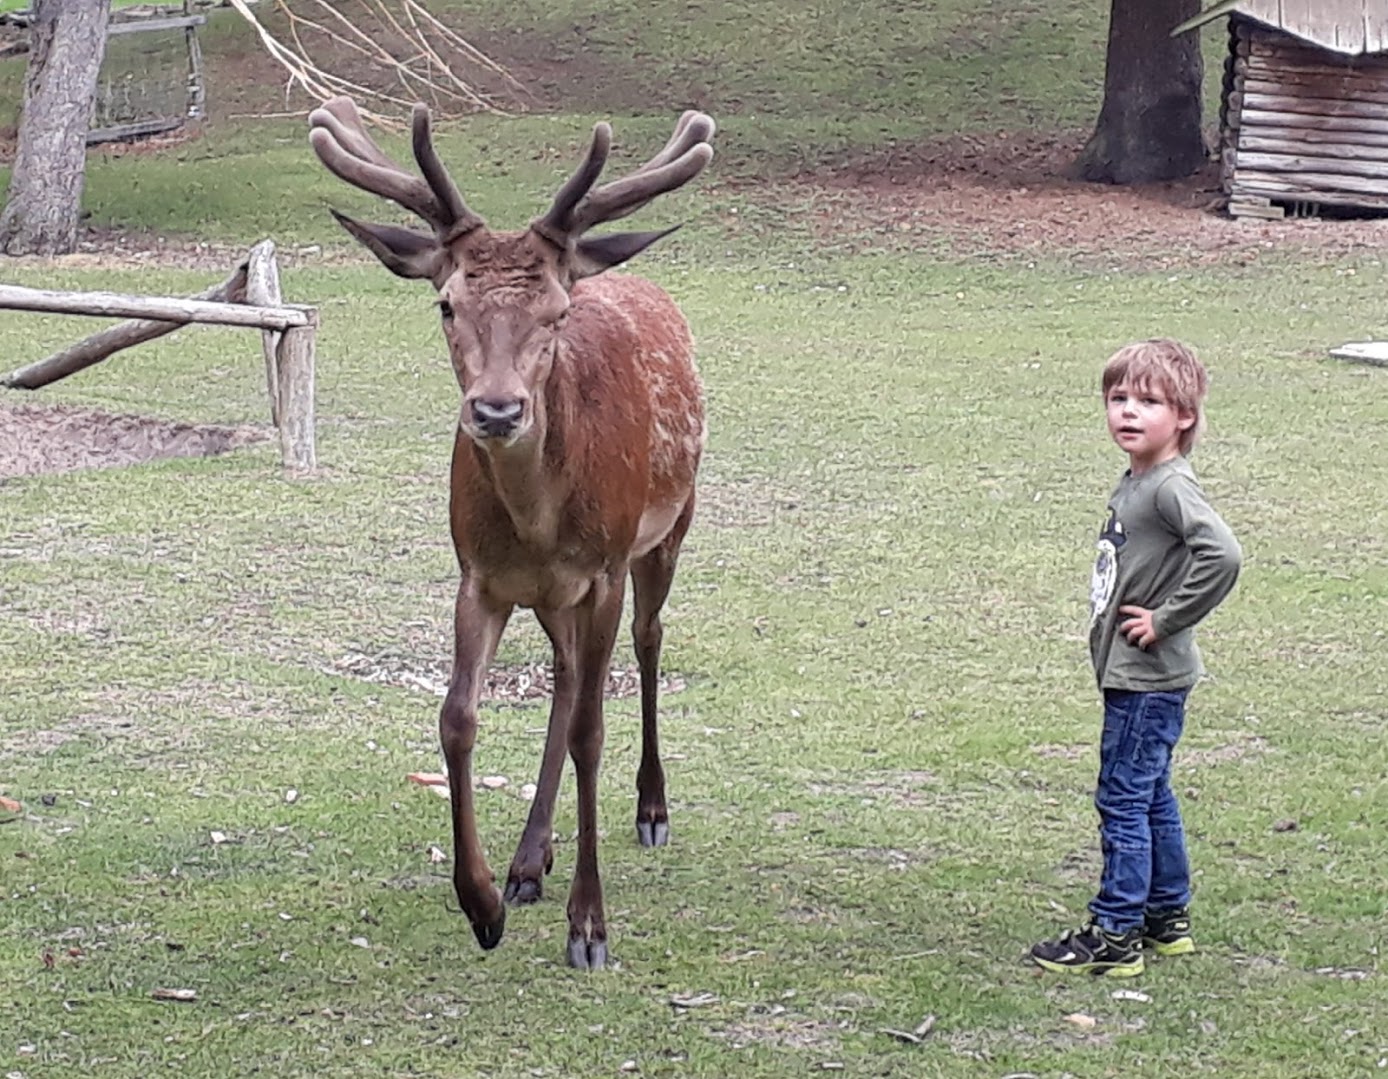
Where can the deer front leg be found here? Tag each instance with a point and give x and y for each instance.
(598, 621)
(477, 628)
(535, 853)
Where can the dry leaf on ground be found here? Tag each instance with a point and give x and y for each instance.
(174, 994)
(9, 805)
(693, 1000)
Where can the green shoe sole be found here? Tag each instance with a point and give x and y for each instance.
(1179, 946)
(1130, 969)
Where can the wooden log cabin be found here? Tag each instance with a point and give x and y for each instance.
(1304, 109)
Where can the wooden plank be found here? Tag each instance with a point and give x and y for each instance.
(1318, 88)
(137, 130)
(1332, 24)
(1287, 53)
(1285, 49)
(1336, 25)
(101, 346)
(1343, 199)
(1316, 106)
(1310, 187)
(141, 26)
(115, 305)
(1317, 143)
(1370, 352)
(1249, 119)
(1307, 163)
(1260, 208)
(1341, 80)
(1375, 28)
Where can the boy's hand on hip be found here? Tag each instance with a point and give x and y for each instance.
(1137, 628)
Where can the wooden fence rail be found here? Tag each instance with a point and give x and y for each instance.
(249, 297)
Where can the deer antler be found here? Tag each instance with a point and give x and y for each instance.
(339, 138)
(577, 206)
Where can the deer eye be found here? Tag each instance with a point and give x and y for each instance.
(446, 310)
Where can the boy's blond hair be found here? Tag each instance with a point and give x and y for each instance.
(1167, 366)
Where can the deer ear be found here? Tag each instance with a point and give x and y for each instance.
(603, 252)
(402, 251)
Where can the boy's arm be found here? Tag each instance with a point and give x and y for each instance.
(1215, 556)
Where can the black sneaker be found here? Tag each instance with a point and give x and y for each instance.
(1091, 950)
(1167, 932)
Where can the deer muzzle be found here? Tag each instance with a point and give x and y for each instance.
(496, 417)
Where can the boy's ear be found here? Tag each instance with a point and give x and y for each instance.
(1184, 420)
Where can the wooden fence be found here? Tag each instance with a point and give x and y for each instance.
(249, 297)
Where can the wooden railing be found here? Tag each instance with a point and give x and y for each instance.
(249, 297)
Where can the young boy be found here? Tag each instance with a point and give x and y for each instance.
(1165, 561)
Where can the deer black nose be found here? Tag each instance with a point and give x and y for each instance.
(497, 418)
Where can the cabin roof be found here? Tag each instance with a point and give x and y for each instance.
(1351, 27)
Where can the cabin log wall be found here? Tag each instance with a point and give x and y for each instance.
(1300, 124)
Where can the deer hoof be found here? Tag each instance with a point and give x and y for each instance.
(587, 954)
(522, 891)
(489, 933)
(653, 833)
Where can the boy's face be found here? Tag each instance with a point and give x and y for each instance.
(1145, 425)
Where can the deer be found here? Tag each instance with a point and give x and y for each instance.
(578, 440)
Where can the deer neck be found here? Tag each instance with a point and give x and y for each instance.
(527, 482)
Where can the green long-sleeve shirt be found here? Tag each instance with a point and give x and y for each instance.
(1162, 547)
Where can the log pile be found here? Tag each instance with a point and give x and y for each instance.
(1302, 125)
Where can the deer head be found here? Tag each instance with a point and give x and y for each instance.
(503, 296)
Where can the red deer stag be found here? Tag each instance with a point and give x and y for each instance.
(581, 429)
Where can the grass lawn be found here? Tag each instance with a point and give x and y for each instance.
(881, 743)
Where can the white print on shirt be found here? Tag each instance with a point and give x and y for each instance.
(1111, 538)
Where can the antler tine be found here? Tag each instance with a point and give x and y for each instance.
(343, 145)
(339, 137)
(629, 194)
(578, 207)
(460, 218)
(351, 131)
(556, 224)
(692, 128)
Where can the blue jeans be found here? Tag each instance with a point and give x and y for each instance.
(1145, 865)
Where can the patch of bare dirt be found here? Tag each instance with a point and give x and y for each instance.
(40, 439)
(1010, 194)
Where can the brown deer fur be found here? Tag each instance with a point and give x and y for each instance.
(580, 433)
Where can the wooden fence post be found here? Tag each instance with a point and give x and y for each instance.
(263, 289)
(295, 362)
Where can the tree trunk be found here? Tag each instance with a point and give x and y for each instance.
(67, 42)
(1150, 125)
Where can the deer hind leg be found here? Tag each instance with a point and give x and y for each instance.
(477, 629)
(535, 853)
(597, 624)
(651, 576)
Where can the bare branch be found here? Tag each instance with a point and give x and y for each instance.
(398, 45)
